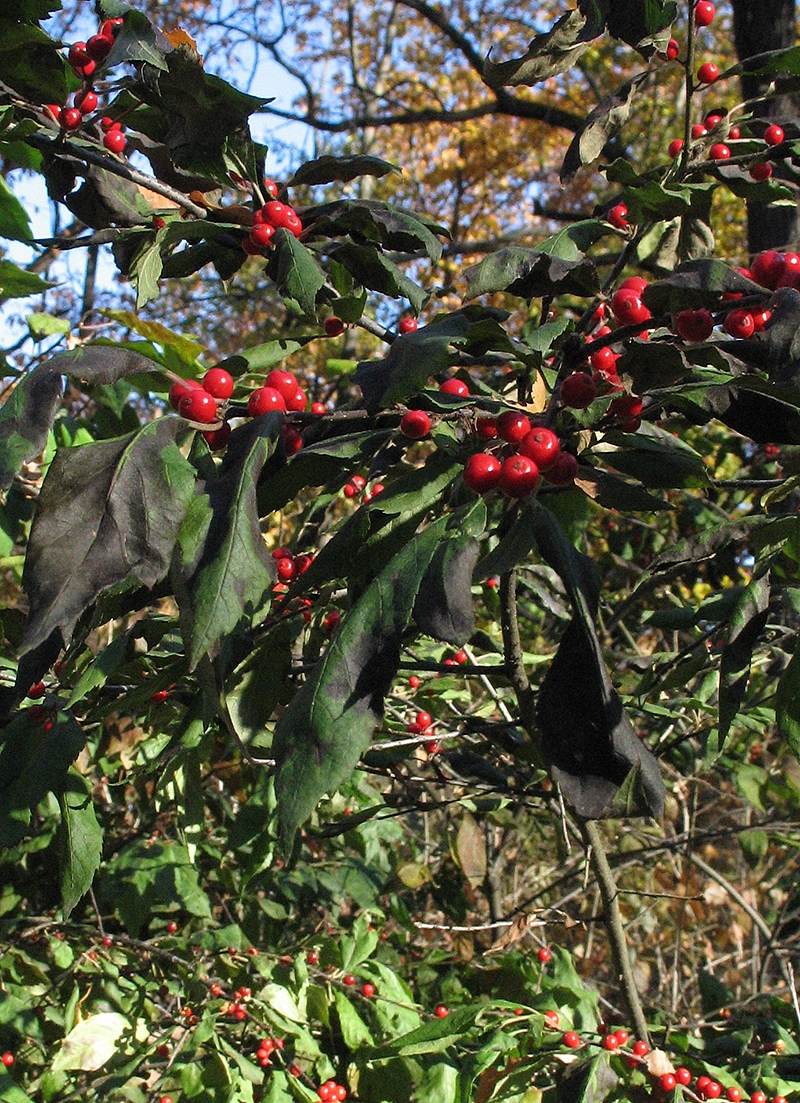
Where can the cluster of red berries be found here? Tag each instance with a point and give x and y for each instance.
(273, 216)
(422, 724)
(356, 485)
(288, 565)
(266, 1047)
(84, 57)
(330, 1091)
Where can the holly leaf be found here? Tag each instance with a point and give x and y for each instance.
(295, 271)
(326, 728)
(531, 273)
(108, 513)
(600, 125)
(587, 737)
(746, 624)
(556, 51)
(372, 269)
(80, 840)
(697, 283)
(367, 221)
(327, 169)
(234, 571)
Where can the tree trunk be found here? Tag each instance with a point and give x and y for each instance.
(759, 26)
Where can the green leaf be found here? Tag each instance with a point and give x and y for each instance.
(80, 839)
(261, 682)
(531, 273)
(744, 629)
(138, 40)
(327, 727)
(787, 703)
(549, 54)
(374, 270)
(145, 272)
(444, 608)
(654, 457)
(381, 224)
(327, 169)
(433, 1037)
(43, 325)
(33, 761)
(295, 270)
(30, 62)
(14, 222)
(234, 571)
(107, 512)
(571, 243)
(589, 1081)
(697, 283)
(355, 1031)
(16, 283)
(92, 1043)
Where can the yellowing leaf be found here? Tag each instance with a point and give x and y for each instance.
(91, 1043)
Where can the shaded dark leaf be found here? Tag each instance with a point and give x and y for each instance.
(327, 169)
(600, 124)
(30, 62)
(25, 419)
(372, 269)
(328, 725)
(549, 54)
(444, 607)
(529, 273)
(587, 738)
(261, 682)
(787, 703)
(641, 23)
(368, 221)
(235, 569)
(108, 512)
(746, 625)
(751, 410)
(653, 364)
(694, 284)
(14, 221)
(588, 1081)
(612, 492)
(572, 241)
(33, 761)
(654, 457)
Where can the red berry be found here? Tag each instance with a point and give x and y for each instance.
(675, 146)
(773, 135)
(640, 1047)
(264, 400)
(604, 360)
(349, 980)
(55, 110)
(456, 387)
(333, 326)
(758, 1097)
(199, 406)
(7, 1059)
(699, 130)
(707, 73)
(38, 689)
(172, 926)
(712, 119)
(610, 1042)
(86, 102)
(413, 682)
(768, 268)
(218, 382)
(683, 1076)
(340, 1092)
(271, 188)
(618, 216)
(415, 424)
(297, 401)
(719, 152)
(71, 118)
(762, 170)
(634, 283)
(165, 1099)
(114, 140)
(628, 308)
(578, 390)
(277, 214)
(552, 1018)
(779, 1099)
(622, 1036)
(563, 470)
(571, 1039)
(284, 382)
(714, 1090)
(318, 408)
(673, 49)
(734, 133)
(482, 472)
(518, 477)
(667, 1082)
(734, 1094)
(78, 55)
(543, 954)
(368, 990)
(626, 406)
(704, 13)
(512, 426)
(694, 325)
(98, 47)
(486, 428)
(739, 323)
(441, 1012)
(261, 235)
(285, 569)
(407, 324)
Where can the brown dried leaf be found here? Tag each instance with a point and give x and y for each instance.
(518, 929)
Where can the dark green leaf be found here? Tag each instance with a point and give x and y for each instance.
(549, 54)
(328, 725)
(327, 169)
(587, 737)
(235, 569)
(33, 760)
(655, 458)
(145, 272)
(744, 629)
(530, 273)
(368, 221)
(639, 22)
(432, 1037)
(787, 703)
(612, 492)
(30, 62)
(261, 682)
(14, 222)
(25, 419)
(697, 283)
(572, 242)
(295, 270)
(107, 513)
(80, 840)
(588, 1081)
(599, 126)
(374, 270)
(653, 364)
(444, 607)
